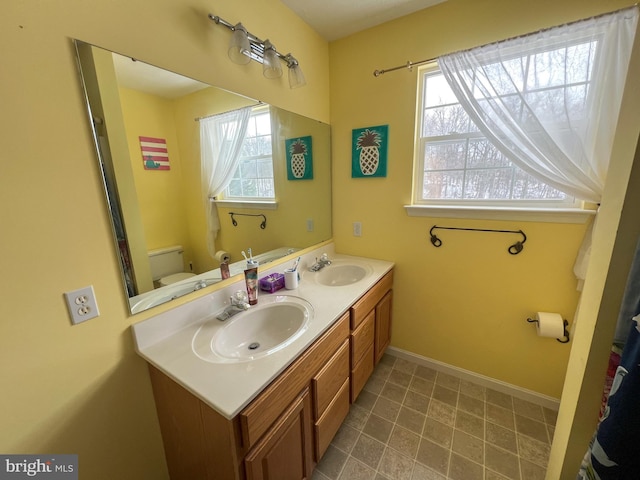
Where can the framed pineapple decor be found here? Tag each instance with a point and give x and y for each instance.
(369, 152)
(299, 158)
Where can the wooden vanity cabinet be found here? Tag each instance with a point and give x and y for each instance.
(287, 428)
(370, 319)
(280, 435)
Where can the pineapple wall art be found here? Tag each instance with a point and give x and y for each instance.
(299, 158)
(369, 152)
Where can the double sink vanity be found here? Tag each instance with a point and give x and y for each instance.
(262, 394)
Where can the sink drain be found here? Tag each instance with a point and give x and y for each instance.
(254, 345)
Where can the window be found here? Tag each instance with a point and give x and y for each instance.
(253, 178)
(457, 165)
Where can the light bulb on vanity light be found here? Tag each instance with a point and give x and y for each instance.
(271, 67)
(239, 47)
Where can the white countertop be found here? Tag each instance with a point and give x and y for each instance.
(165, 340)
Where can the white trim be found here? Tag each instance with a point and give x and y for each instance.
(273, 205)
(556, 215)
(498, 385)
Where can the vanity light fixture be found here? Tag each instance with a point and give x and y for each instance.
(244, 47)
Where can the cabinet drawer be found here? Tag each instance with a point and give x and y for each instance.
(362, 337)
(368, 301)
(328, 425)
(256, 419)
(329, 380)
(361, 373)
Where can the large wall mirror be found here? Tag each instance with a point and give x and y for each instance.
(156, 201)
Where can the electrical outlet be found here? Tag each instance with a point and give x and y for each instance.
(82, 304)
(357, 229)
(309, 224)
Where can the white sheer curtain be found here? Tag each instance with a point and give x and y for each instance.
(549, 101)
(221, 138)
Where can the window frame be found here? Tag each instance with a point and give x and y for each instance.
(479, 208)
(251, 201)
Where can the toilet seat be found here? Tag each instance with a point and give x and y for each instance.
(176, 277)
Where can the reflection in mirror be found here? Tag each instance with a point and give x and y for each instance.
(148, 146)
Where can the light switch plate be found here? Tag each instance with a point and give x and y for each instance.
(82, 304)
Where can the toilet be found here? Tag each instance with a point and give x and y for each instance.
(167, 266)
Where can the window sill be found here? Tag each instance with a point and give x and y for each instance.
(262, 205)
(556, 215)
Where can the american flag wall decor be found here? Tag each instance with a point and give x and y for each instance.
(154, 153)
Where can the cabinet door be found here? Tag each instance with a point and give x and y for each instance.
(383, 325)
(286, 451)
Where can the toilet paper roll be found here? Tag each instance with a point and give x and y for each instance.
(221, 256)
(550, 324)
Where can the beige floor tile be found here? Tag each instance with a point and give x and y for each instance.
(393, 392)
(346, 438)
(368, 450)
(387, 409)
(420, 472)
(413, 423)
(501, 437)
(422, 386)
(378, 428)
(500, 416)
(433, 456)
(438, 432)
(416, 401)
(426, 373)
(411, 420)
(531, 471)
(468, 446)
(405, 366)
(533, 451)
(472, 390)
(502, 462)
(357, 417)
(445, 395)
(532, 428)
(399, 378)
(461, 468)
(396, 466)
(442, 412)
(501, 399)
(332, 462)
(366, 399)
(448, 381)
(355, 470)
(528, 409)
(471, 405)
(404, 441)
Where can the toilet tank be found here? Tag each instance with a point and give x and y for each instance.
(166, 261)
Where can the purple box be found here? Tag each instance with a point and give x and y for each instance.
(272, 283)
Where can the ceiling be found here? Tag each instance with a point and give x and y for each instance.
(334, 19)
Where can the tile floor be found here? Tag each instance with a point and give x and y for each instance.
(413, 423)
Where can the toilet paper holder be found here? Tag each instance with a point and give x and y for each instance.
(565, 338)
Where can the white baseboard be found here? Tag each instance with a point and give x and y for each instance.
(498, 385)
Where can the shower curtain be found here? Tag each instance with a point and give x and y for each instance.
(614, 451)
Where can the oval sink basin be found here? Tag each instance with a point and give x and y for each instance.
(337, 275)
(262, 330)
(166, 294)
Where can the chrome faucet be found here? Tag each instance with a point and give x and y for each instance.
(320, 264)
(239, 303)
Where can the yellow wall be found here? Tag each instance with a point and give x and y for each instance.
(82, 389)
(159, 191)
(465, 303)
